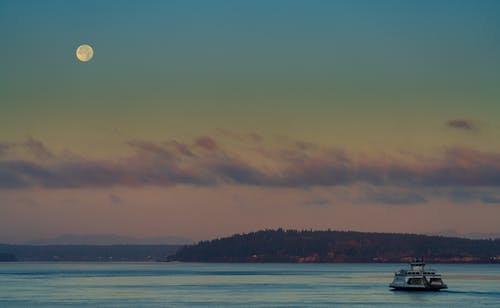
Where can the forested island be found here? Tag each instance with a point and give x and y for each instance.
(277, 246)
(338, 246)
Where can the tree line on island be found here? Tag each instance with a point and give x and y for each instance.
(338, 246)
(277, 246)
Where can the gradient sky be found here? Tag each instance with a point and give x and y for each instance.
(205, 118)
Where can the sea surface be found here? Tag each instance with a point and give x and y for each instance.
(24, 284)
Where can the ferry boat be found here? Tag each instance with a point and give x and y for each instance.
(417, 278)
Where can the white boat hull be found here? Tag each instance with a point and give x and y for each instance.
(417, 288)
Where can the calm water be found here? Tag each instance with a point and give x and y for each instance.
(229, 285)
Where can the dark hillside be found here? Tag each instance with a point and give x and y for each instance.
(337, 246)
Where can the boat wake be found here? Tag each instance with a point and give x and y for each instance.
(486, 293)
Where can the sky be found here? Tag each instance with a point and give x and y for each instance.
(202, 119)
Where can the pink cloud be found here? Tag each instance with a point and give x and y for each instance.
(207, 143)
(205, 162)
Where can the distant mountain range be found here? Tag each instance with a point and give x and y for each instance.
(471, 235)
(85, 253)
(109, 239)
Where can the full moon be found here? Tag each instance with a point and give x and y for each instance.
(84, 52)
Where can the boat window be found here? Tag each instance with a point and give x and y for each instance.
(436, 280)
(415, 281)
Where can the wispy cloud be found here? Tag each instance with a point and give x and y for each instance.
(38, 149)
(205, 161)
(467, 195)
(150, 147)
(461, 124)
(490, 199)
(115, 199)
(31, 147)
(243, 137)
(4, 147)
(393, 197)
(207, 143)
(317, 202)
